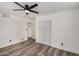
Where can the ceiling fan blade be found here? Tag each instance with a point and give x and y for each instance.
(18, 9)
(33, 6)
(18, 4)
(34, 11)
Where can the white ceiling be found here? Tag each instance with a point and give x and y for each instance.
(43, 8)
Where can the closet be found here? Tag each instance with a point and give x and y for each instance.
(44, 28)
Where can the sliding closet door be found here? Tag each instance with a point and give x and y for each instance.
(47, 27)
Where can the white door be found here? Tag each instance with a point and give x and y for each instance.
(44, 29)
(41, 30)
(30, 30)
(48, 32)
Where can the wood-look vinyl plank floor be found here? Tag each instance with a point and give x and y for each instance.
(50, 52)
(43, 51)
(22, 51)
(31, 48)
(15, 48)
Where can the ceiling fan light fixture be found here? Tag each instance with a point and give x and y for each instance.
(26, 11)
(26, 8)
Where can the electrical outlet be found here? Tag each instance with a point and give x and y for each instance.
(10, 40)
(61, 44)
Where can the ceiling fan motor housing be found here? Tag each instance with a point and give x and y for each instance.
(26, 7)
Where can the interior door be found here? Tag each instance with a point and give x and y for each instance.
(47, 32)
(44, 29)
(30, 30)
(41, 31)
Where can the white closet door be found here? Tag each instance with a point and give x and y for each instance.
(44, 29)
(47, 31)
(41, 30)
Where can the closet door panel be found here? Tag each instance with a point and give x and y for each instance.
(44, 29)
(41, 30)
(48, 32)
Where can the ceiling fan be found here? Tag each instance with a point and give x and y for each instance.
(26, 8)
